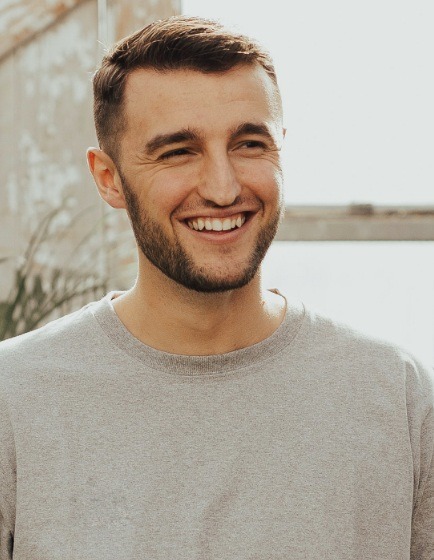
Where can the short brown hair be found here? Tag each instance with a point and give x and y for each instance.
(179, 42)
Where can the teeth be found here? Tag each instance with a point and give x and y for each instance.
(227, 224)
(215, 224)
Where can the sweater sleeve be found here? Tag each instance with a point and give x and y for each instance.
(7, 484)
(421, 420)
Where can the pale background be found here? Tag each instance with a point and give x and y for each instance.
(358, 87)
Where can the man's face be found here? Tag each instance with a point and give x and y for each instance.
(200, 171)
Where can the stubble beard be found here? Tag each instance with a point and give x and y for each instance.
(172, 260)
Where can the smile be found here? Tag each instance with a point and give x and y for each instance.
(217, 224)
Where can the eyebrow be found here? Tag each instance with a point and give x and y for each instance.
(252, 128)
(187, 134)
(162, 140)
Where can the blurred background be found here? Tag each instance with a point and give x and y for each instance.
(357, 81)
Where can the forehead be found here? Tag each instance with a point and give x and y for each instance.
(156, 100)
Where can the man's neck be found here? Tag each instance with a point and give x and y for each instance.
(181, 321)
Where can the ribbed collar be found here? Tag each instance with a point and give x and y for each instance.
(215, 364)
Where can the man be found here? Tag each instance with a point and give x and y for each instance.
(198, 415)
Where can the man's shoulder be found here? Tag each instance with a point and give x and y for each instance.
(328, 331)
(56, 340)
(336, 342)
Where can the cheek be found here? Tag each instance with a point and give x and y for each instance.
(262, 177)
(170, 189)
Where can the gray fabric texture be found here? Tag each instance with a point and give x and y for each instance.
(316, 444)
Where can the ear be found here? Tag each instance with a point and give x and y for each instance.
(106, 177)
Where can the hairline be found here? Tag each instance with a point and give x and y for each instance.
(122, 118)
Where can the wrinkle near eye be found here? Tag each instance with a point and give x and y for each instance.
(145, 160)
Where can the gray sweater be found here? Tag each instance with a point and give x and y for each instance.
(314, 444)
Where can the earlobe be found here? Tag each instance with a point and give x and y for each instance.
(105, 175)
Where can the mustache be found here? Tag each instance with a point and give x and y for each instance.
(209, 204)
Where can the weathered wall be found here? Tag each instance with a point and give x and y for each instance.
(46, 125)
(21, 20)
(46, 122)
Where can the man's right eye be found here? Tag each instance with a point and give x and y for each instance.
(174, 153)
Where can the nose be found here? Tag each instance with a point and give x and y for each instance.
(218, 182)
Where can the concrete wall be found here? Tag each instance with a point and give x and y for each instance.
(48, 52)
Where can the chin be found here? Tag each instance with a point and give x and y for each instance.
(207, 284)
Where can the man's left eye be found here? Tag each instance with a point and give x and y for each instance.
(253, 144)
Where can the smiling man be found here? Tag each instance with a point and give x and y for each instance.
(199, 415)
(195, 162)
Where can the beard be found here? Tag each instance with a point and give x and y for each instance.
(170, 257)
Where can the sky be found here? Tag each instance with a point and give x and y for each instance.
(358, 87)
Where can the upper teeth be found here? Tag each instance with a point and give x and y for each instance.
(216, 224)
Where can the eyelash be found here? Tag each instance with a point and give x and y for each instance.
(174, 153)
(256, 144)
